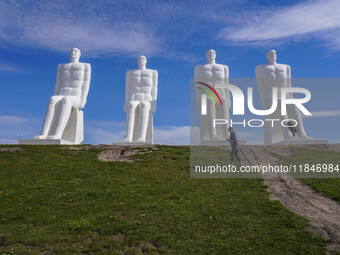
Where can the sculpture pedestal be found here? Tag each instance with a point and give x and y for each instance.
(274, 135)
(221, 142)
(73, 133)
(301, 141)
(44, 141)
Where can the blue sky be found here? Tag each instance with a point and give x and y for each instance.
(35, 36)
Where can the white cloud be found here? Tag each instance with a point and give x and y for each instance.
(13, 121)
(324, 114)
(172, 135)
(8, 141)
(107, 27)
(106, 132)
(8, 67)
(102, 136)
(312, 18)
(61, 25)
(96, 131)
(13, 128)
(158, 27)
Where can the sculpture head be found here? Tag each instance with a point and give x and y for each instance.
(141, 61)
(271, 56)
(211, 55)
(75, 55)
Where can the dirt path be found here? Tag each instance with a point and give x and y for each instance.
(322, 212)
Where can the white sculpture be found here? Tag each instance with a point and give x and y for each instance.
(277, 75)
(64, 119)
(214, 75)
(140, 102)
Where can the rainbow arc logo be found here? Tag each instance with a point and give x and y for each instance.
(209, 93)
(204, 96)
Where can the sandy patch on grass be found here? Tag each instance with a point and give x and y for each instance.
(79, 148)
(10, 149)
(122, 153)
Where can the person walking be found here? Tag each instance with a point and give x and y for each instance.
(234, 146)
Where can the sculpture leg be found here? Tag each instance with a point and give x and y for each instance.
(144, 120)
(67, 103)
(52, 105)
(225, 115)
(130, 120)
(211, 111)
(296, 115)
(285, 130)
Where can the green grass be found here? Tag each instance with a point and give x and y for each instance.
(329, 187)
(62, 201)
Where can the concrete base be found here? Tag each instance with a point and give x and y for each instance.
(221, 142)
(44, 141)
(301, 141)
(73, 133)
(131, 143)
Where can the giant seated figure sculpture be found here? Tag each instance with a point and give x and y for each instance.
(213, 76)
(140, 103)
(63, 122)
(277, 75)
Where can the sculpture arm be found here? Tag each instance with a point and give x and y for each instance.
(85, 86)
(226, 75)
(260, 86)
(289, 80)
(290, 95)
(126, 92)
(154, 91)
(57, 83)
(198, 93)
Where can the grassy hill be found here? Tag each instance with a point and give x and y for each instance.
(329, 187)
(62, 200)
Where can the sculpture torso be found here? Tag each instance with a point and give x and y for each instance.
(71, 79)
(270, 76)
(212, 74)
(140, 84)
